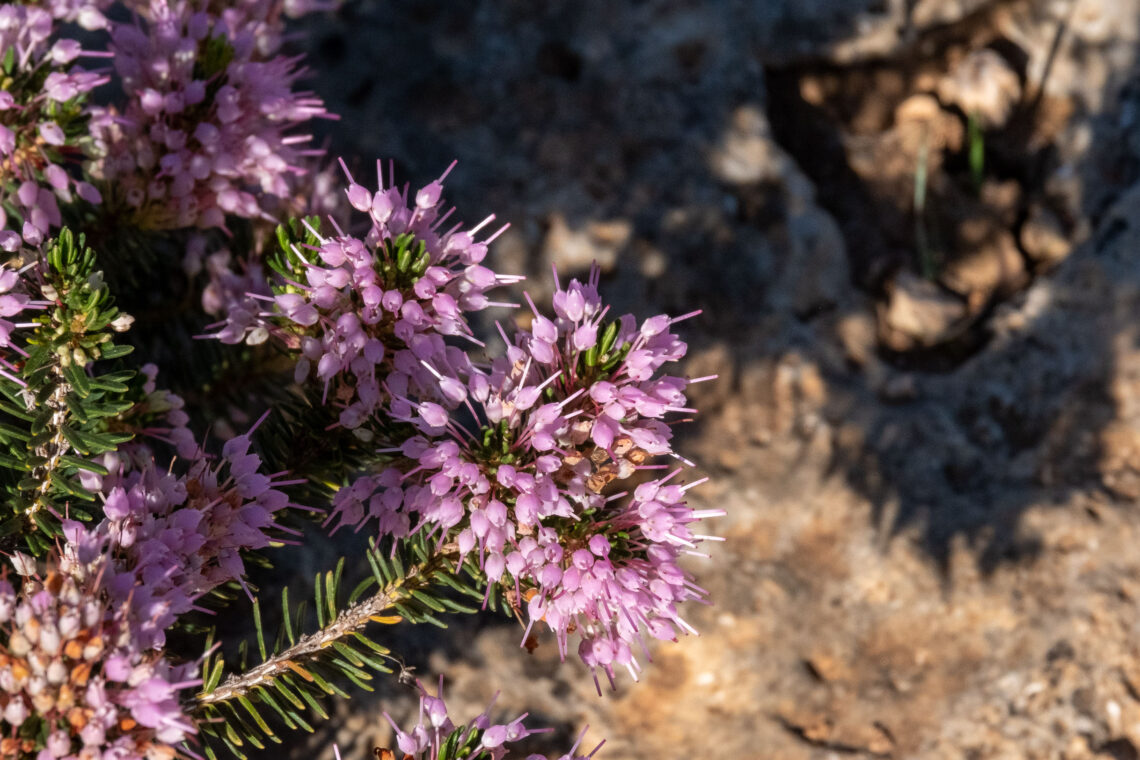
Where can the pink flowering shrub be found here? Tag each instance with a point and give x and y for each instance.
(304, 360)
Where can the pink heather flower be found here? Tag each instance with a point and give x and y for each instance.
(206, 128)
(72, 660)
(159, 416)
(86, 13)
(174, 538)
(491, 741)
(370, 314)
(263, 21)
(318, 192)
(576, 406)
(13, 303)
(37, 157)
(238, 296)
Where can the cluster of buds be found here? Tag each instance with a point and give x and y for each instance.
(69, 666)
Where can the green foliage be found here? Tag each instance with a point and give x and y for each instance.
(301, 437)
(292, 673)
(977, 141)
(401, 261)
(285, 258)
(464, 743)
(214, 57)
(602, 358)
(63, 411)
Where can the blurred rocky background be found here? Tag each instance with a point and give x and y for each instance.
(914, 229)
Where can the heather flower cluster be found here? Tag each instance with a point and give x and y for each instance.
(369, 314)
(175, 537)
(479, 739)
(72, 668)
(206, 129)
(84, 650)
(519, 462)
(203, 123)
(42, 125)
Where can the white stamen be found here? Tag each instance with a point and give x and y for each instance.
(447, 171)
(502, 229)
(481, 225)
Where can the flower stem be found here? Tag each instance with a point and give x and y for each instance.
(380, 607)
